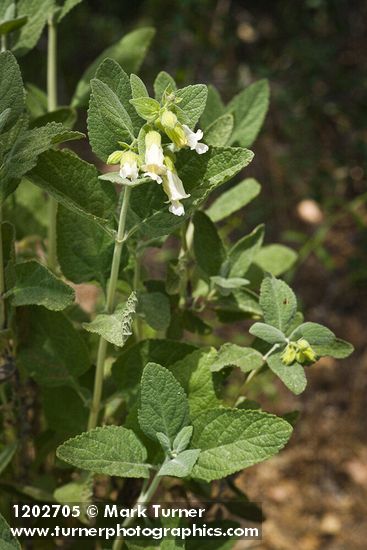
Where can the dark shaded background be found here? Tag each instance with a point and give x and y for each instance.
(310, 159)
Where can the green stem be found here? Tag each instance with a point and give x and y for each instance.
(3, 43)
(110, 304)
(143, 498)
(52, 106)
(138, 329)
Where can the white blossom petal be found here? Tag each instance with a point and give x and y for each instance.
(177, 208)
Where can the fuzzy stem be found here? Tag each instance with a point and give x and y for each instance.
(3, 43)
(143, 498)
(2, 277)
(52, 106)
(110, 303)
(138, 329)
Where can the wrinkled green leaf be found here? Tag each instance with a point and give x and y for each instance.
(208, 247)
(214, 108)
(278, 303)
(181, 465)
(110, 450)
(7, 541)
(268, 333)
(154, 307)
(193, 100)
(275, 259)
(234, 199)
(293, 376)
(161, 83)
(242, 254)
(231, 355)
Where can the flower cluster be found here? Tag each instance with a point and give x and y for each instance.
(300, 352)
(158, 162)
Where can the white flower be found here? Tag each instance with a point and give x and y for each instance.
(129, 166)
(193, 139)
(154, 158)
(174, 189)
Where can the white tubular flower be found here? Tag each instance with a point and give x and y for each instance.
(174, 189)
(154, 166)
(193, 139)
(129, 166)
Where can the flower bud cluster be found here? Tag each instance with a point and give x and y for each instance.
(158, 160)
(300, 352)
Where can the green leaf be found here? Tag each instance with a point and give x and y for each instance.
(55, 402)
(108, 120)
(241, 301)
(84, 250)
(163, 404)
(193, 100)
(37, 12)
(214, 108)
(75, 184)
(146, 107)
(52, 352)
(231, 355)
(6, 455)
(200, 174)
(155, 308)
(116, 327)
(278, 303)
(4, 117)
(275, 259)
(129, 52)
(11, 86)
(12, 25)
(218, 132)
(226, 286)
(234, 199)
(66, 8)
(231, 440)
(161, 83)
(110, 450)
(36, 285)
(127, 369)
(36, 101)
(242, 254)
(25, 151)
(181, 465)
(208, 247)
(293, 376)
(340, 349)
(138, 88)
(182, 439)
(249, 109)
(194, 375)
(7, 541)
(268, 333)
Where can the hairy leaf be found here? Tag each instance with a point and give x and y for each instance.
(268, 333)
(234, 199)
(110, 450)
(293, 376)
(228, 355)
(208, 247)
(275, 259)
(242, 254)
(278, 303)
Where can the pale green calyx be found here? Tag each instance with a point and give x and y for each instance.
(129, 165)
(168, 120)
(115, 157)
(300, 352)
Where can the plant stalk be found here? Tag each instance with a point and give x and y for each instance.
(2, 276)
(52, 106)
(142, 499)
(110, 304)
(138, 329)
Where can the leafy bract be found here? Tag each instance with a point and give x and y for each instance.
(278, 303)
(293, 376)
(50, 348)
(111, 450)
(129, 52)
(192, 102)
(36, 285)
(229, 355)
(75, 184)
(161, 83)
(163, 404)
(115, 327)
(181, 465)
(234, 199)
(231, 440)
(249, 109)
(270, 334)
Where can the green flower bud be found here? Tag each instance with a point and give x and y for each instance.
(152, 138)
(115, 157)
(177, 136)
(305, 353)
(289, 354)
(168, 120)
